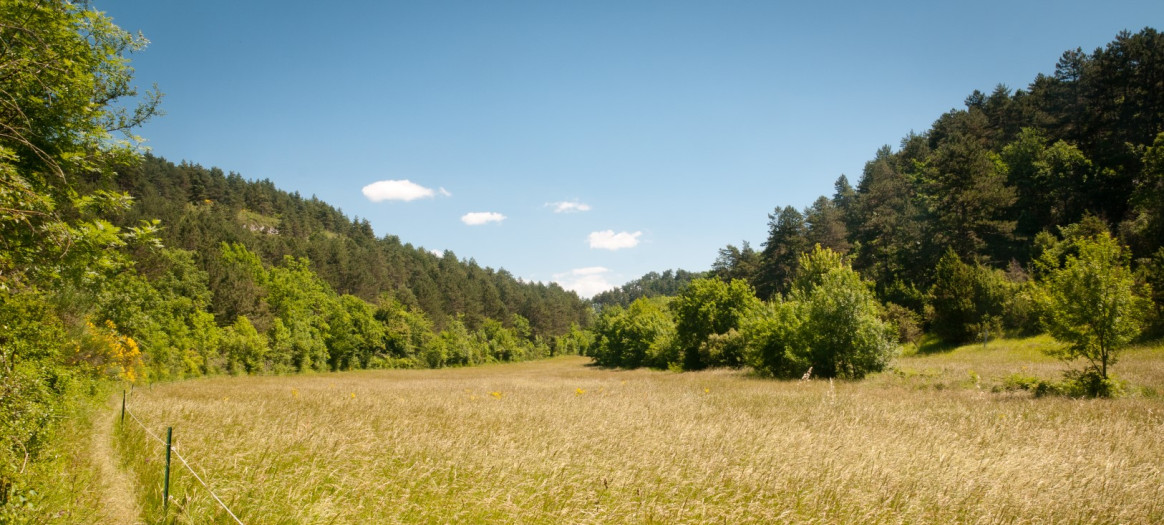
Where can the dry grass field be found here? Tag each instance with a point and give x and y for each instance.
(935, 440)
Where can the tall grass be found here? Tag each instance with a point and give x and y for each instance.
(939, 439)
(67, 478)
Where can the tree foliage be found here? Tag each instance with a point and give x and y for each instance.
(653, 284)
(1091, 304)
(830, 324)
(707, 308)
(968, 300)
(985, 183)
(641, 334)
(787, 239)
(204, 208)
(63, 77)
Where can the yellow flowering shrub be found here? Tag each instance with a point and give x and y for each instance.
(108, 351)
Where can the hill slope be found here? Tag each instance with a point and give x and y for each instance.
(202, 208)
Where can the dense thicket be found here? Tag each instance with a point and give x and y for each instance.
(945, 226)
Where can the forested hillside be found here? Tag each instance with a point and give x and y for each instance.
(988, 187)
(200, 209)
(1036, 210)
(244, 277)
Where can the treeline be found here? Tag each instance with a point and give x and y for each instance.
(653, 284)
(285, 318)
(246, 278)
(985, 191)
(831, 324)
(828, 325)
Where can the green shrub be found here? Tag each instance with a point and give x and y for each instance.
(904, 321)
(771, 335)
(710, 307)
(831, 323)
(842, 330)
(641, 334)
(1090, 383)
(967, 300)
(1075, 383)
(725, 349)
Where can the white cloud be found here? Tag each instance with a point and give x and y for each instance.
(568, 206)
(608, 240)
(481, 217)
(586, 282)
(444, 192)
(437, 253)
(396, 190)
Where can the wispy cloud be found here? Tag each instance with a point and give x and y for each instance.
(568, 206)
(608, 240)
(444, 192)
(478, 218)
(397, 190)
(586, 282)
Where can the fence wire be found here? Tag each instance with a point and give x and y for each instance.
(185, 464)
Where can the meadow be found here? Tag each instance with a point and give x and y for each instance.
(941, 437)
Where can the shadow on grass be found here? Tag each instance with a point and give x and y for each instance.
(931, 344)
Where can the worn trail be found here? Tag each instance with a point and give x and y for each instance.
(118, 501)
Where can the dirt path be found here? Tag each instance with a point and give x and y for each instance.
(118, 500)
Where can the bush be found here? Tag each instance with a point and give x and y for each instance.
(1151, 275)
(723, 349)
(41, 385)
(904, 322)
(244, 347)
(830, 323)
(842, 328)
(1075, 383)
(710, 307)
(772, 344)
(641, 334)
(1021, 310)
(967, 300)
(1090, 383)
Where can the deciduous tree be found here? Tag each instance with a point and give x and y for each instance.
(1091, 304)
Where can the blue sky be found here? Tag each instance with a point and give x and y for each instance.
(670, 129)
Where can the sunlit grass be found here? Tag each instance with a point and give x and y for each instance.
(67, 479)
(935, 440)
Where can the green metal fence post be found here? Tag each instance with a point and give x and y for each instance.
(123, 406)
(166, 484)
